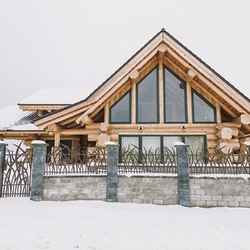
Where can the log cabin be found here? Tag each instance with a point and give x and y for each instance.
(164, 93)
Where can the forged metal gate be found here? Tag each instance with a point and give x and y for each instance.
(16, 173)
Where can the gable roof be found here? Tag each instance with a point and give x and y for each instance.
(164, 43)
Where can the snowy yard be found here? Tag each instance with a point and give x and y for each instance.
(100, 225)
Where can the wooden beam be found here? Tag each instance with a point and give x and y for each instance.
(133, 104)
(53, 128)
(189, 103)
(161, 51)
(190, 75)
(134, 76)
(57, 140)
(83, 120)
(106, 112)
(242, 119)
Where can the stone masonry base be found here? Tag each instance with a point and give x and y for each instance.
(161, 190)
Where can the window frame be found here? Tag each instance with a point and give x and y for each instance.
(208, 103)
(110, 115)
(157, 97)
(165, 98)
(162, 139)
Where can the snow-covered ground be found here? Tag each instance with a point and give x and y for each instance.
(32, 225)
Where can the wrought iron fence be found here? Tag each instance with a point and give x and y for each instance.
(236, 161)
(135, 161)
(62, 161)
(16, 173)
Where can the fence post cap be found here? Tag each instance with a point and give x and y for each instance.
(38, 142)
(110, 143)
(3, 143)
(247, 143)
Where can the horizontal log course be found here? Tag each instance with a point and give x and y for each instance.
(228, 125)
(212, 137)
(114, 137)
(93, 137)
(212, 144)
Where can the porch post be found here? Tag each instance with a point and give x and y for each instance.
(38, 167)
(183, 175)
(112, 175)
(2, 158)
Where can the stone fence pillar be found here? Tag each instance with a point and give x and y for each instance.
(2, 158)
(183, 175)
(112, 175)
(38, 167)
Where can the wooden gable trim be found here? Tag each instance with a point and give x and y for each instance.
(161, 47)
(117, 83)
(206, 74)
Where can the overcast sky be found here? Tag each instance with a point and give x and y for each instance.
(80, 43)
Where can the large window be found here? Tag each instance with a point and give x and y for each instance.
(120, 111)
(155, 143)
(175, 98)
(203, 111)
(174, 107)
(147, 98)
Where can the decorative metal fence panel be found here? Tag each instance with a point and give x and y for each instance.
(234, 162)
(132, 160)
(16, 173)
(92, 161)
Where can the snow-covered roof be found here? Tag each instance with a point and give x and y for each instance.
(12, 118)
(56, 96)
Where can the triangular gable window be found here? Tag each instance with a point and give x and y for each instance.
(174, 102)
(120, 110)
(203, 111)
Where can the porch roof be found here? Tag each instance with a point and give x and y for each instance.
(12, 118)
(56, 96)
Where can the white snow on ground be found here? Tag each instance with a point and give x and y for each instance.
(97, 225)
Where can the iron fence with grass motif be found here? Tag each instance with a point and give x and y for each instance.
(133, 160)
(220, 161)
(62, 161)
(16, 173)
